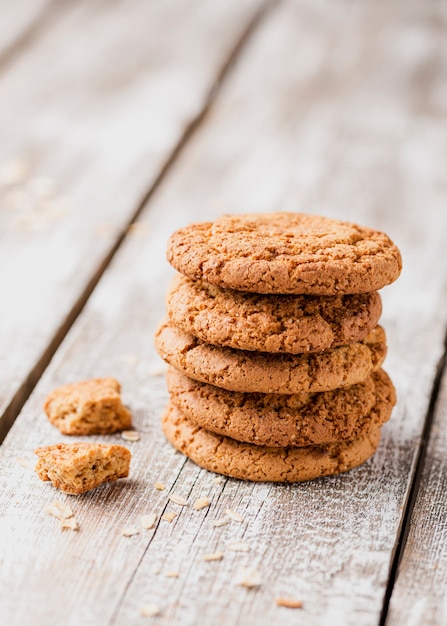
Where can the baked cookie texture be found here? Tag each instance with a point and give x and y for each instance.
(88, 407)
(274, 346)
(239, 370)
(78, 467)
(223, 455)
(270, 323)
(285, 253)
(278, 420)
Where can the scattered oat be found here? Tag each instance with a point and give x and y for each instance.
(236, 517)
(160, 486)
(130, 531)
(13, 172)
(150, 610)
(215, 556)
(70, 524)
(27, 463)
(238, 546)
(157, 371)
(59, 509)
(173, 497)
(218, 480)
(17, 199)
(201, 503)
(41, 187)
(148, 521)
(172, 574)
(138, 228)
(129, 359)
(223, 521)
(106, 229)
(169, 517)
(290, 603)
(248, 577)
(156, 570)
(130, 435)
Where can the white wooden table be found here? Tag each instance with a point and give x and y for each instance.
(122, 121)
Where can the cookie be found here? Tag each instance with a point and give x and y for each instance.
(285, 253)
(242, 370)
(273, 323)
(278, 420)
(88, 407)
(262, 463)
(78, 467)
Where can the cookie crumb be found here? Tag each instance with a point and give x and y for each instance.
(26, 463)
(69, 523)
(88, 407)
(173, 497)
(130, 435)
(160, 486)
(215, 556)
(201, 503)
(238, 546)
(223, 521)
(150, 610)
(169, 517)
(172, 574)
(248, 577)
(290, 603)
(130, 531)
(59, 509)
(234, 515)
(148, 521)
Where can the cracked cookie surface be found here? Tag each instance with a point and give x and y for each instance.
(285, 253)
(243, 370)
(246, 461)
(286, 420)
(270, 323)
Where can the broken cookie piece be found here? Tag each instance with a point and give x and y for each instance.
(78, 467)
(90, 407)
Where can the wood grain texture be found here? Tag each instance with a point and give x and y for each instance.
(314, 120)
(19, 20)
(93, 124)
(419, 593)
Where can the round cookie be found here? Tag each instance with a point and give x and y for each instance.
(278, 420)
(285, 253)
(242, 370)
(261, 463)
(271, 323)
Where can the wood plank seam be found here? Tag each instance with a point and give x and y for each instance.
(24, 391)
(44, 21)
(401, 538)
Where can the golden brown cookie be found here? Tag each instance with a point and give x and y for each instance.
(242, 370)
(261, 463)
(88, 407)
(279, 420)
(285, 253)
(78, 467)
(271, 323)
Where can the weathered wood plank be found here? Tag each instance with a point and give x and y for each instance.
(310, 121)
(19, 19)
(95, 108)
(419, 593)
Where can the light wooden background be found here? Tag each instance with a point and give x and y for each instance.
(130, 119)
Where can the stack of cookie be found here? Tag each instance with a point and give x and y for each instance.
(274, 347)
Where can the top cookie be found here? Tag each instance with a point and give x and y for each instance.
(288, 253)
